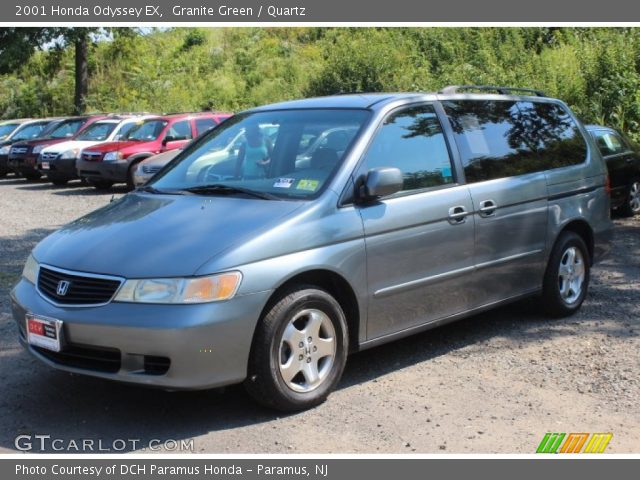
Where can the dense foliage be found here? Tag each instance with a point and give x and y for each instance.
(596, 70)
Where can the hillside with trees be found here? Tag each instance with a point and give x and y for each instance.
(595, 70)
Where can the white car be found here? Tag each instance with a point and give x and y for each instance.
(58, 162)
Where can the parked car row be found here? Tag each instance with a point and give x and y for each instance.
(99, 149)
(125, 148)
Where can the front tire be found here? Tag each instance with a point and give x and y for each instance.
(566, 280)
(299, 350)
(101, 184)
(58, 181)
(32, 176)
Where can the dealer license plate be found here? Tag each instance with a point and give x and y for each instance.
(44, 332)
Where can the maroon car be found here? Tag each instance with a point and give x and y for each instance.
(115, 162)
(23, 156)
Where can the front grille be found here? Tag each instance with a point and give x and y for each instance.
(81, 289)
(150, 169)
(92, 156)
(99, 359)
(19, 150)
(49, 155)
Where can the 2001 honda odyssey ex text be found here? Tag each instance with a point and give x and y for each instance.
(269, 264)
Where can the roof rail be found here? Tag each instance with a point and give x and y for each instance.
(500, 90)
(202, 112)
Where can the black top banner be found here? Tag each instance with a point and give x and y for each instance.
(289, 11)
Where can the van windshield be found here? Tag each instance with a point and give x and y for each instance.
(284, 154)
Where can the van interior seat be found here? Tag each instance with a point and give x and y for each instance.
(324, 158)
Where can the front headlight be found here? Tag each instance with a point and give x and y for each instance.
(5, 150)
(112, 156)
(212, 288)
(38, 148)
(30, 270)
(69, 154)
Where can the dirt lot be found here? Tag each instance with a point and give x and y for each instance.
(492, 383)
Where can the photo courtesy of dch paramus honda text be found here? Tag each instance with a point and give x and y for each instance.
(292, 234)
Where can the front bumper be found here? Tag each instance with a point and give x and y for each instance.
(3, 163)
(140, 178)
(23, 164)
(59, 168)
(115, 172)
(206, 345)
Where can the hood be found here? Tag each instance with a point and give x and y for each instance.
(146, 235)
(105, 147)
(68, 145)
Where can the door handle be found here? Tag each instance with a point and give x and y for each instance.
(629, 159)
(457, 215)
(487, 208)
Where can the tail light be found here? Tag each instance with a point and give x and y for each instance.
(607, 185)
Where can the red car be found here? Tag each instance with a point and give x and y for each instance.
(115, 162)
(23, 156)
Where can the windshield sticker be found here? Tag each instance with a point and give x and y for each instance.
(310, 185)
(284, 183)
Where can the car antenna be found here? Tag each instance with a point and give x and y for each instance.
(113, 197)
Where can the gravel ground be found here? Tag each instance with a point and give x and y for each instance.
(493, 383)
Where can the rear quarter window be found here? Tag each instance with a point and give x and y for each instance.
(501, 138)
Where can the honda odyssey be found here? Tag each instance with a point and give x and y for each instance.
(268, 267)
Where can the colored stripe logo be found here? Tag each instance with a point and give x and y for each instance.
(574, 442)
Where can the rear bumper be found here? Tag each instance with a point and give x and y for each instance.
(115, 172)
(167, 346)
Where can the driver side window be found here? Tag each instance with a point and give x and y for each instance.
(412, 141)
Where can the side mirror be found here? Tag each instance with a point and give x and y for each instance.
(167, 139)
(381, 182)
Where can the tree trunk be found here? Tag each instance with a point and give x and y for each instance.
(82, 74)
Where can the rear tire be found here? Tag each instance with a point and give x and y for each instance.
(566, 279)
(631, 205)
(299, 350)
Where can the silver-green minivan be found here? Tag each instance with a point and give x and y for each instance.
(355, 220)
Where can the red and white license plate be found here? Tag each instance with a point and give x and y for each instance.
(44, 332)
(45, 166)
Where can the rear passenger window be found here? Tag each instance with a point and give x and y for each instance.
(412, 140)
(554, 134)
(204, 124)
(180, 131)
(609, 143)
(498, 139)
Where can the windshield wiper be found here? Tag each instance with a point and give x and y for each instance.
(220, 188)
(150, 189)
